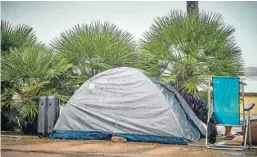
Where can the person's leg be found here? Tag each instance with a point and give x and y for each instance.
(228, 131)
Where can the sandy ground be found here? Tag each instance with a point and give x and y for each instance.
(34, 147)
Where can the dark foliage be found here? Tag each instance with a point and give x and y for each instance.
(212, 131)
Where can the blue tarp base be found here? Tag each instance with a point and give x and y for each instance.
(102, 135)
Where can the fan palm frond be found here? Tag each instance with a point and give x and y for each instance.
(96, 47)
(16, 36)
(191, 46)
(32, 62)
(31, 70)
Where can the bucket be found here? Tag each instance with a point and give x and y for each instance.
(253, 122)
(254, 131)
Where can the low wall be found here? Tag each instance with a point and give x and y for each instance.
(248, 100)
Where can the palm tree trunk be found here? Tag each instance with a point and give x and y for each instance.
(194, 101)
(192, 7)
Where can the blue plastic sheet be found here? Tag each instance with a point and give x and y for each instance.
(103, 135)
(226, 100)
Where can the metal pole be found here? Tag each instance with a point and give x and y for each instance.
(243, 102)
(243, 95)
(209, 98)
(250, 133)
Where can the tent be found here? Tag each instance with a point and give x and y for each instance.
(126, 103)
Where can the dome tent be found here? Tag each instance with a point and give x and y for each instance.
(126, 103)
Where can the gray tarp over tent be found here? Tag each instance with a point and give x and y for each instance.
(125, 102)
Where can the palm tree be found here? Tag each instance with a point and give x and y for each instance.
(28, 69)
(31, 71)
(12, 37)
(185, 48)
(95, 47)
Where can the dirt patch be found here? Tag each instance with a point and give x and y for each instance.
(163, 150)
(69, 148)
(27, 154)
